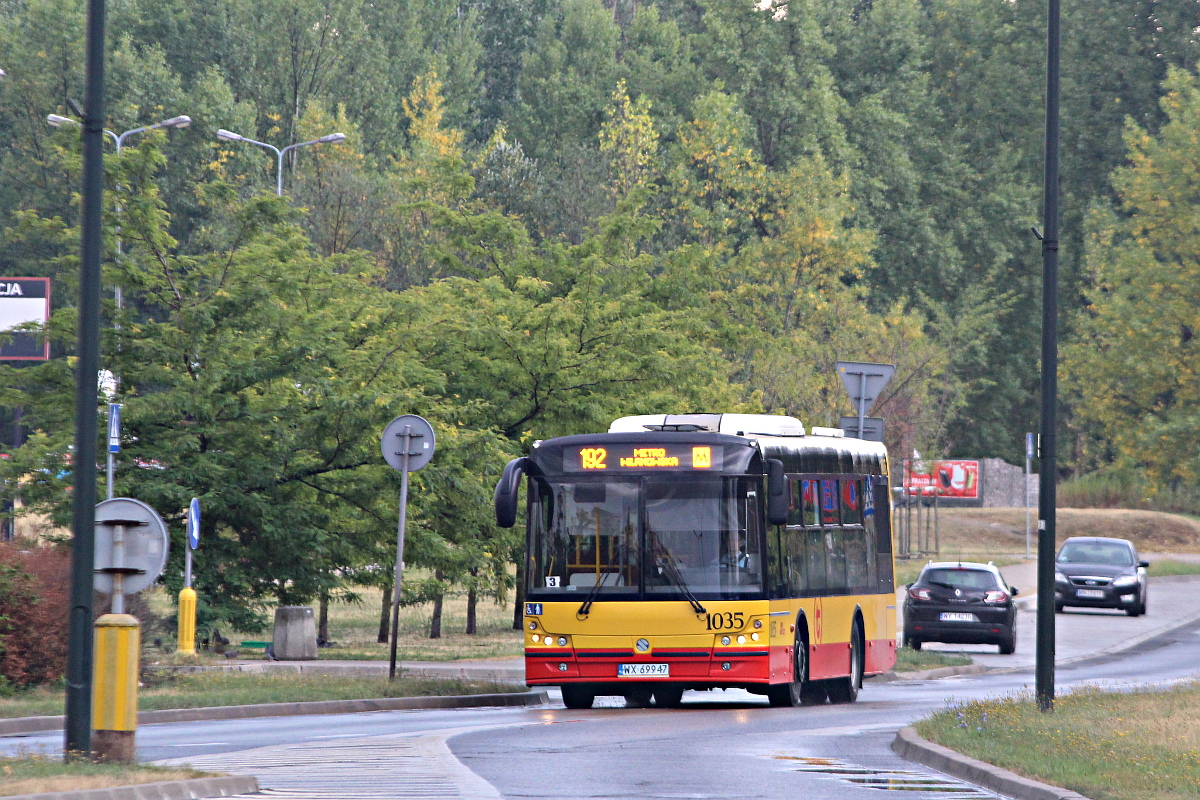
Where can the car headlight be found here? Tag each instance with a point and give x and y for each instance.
(1060, 578)
(1125, 580)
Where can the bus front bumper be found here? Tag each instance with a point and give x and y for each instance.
(707, 667)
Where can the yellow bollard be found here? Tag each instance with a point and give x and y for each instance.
(114, 687)
(187, 621)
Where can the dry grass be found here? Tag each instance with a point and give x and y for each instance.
(995, 531)
(34, 774)
(1104, 745)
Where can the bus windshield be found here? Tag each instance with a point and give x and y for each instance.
(655, 536)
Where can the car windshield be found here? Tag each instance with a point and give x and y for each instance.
(980, 580)
(1113, 554)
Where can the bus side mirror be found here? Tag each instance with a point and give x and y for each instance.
(506, 492)
(777, 495)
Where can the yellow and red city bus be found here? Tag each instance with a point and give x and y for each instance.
(703, 551)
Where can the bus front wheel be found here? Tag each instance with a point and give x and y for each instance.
(577, 696)
(796, 692)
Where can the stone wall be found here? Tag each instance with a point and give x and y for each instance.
(1002, 485)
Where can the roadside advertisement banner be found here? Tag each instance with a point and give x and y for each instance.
(947, 478)
(24, 300)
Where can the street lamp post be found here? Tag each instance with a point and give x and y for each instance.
(181, 121)
(230, 136)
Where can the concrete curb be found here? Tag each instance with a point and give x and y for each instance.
(909, 745)
(931, 674)
(226, 786)
(21, 725)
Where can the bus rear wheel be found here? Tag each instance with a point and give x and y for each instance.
(845, 690)
(577, 696)
(797, 692)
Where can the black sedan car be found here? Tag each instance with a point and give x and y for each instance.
(1098, 572)
(961, 602)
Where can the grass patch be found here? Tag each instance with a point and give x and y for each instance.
(909, 660)
(354, 631)
(1104, 745)
(33, 774)
(199, 690)
(1166, 566)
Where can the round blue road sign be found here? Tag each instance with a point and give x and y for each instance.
(193, 523)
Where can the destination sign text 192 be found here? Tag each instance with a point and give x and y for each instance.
(594, 458)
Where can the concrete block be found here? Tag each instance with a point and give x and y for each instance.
(295, 636)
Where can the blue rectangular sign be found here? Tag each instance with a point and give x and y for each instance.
(533, 609)
(114, 427)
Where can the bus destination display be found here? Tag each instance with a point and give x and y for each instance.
(594, 458)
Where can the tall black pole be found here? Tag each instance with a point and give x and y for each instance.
(79, 654)
(1049, 444)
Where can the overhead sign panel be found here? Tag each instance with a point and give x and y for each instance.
(872, 428)
(24, 300)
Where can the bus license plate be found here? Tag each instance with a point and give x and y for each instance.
(1096, 593)
(955, 616)
(643, 670)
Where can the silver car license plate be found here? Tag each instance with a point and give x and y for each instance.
(957, 616)
(1096, 593)
(643, 670)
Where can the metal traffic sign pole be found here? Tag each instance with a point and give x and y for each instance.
(131, 552)
(187, 595)
(408, 443)
(864, 381)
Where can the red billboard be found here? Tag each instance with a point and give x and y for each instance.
(944, 478)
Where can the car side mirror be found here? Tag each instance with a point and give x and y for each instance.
(1013, 591)
(1143, 563)
(908, 586)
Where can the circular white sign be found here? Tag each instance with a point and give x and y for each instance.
(420, 441)
(143, 547)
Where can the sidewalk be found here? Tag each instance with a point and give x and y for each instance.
(499, 670)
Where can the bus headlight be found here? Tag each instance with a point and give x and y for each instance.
(725, 640)
(535, 638)
(562, 641)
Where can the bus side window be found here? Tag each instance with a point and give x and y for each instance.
(809, 500)
(857, 560)
(796, 577)
(814, 552)
(795, 501)
(881, 512)
(836, 543)
(829, 502)
(851, 501)
(776, 577)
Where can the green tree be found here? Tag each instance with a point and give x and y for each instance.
(1132, 367)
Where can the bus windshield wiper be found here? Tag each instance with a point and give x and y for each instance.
(670, 570)
(591, 595)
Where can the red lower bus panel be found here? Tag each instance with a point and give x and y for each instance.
(751, 667)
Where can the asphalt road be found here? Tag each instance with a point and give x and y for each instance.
(719, 745)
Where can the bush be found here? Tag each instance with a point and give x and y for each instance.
(34, 585)
(1115, 488)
